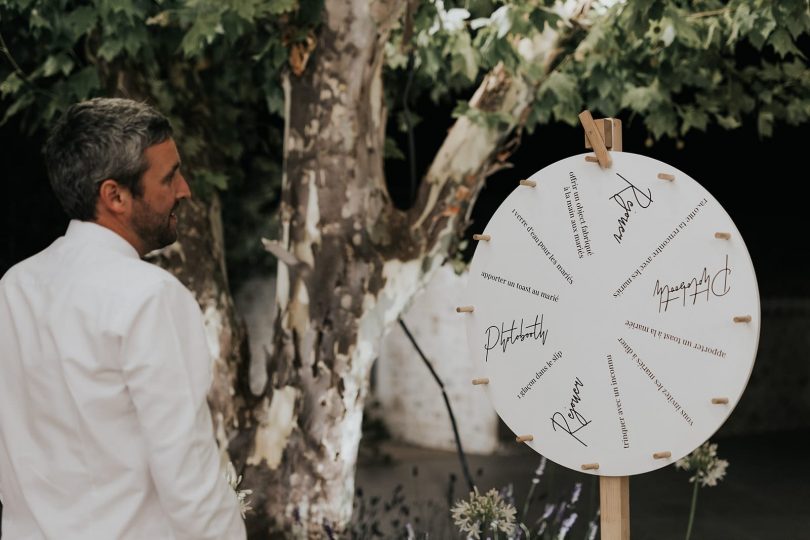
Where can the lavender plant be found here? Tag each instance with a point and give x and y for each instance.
(405, 513)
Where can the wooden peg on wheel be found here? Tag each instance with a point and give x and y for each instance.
(602, 135)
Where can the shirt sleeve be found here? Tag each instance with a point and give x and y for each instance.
(166, 367)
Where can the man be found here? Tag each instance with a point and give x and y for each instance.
(105, 432)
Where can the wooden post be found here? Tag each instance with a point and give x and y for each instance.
(614, 491)
(614, 503)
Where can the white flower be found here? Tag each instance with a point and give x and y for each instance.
(451, 20)
(488, 512)
(715, 473)
(703, 461)
(241, 494)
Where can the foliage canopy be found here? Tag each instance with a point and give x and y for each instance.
(215, 67)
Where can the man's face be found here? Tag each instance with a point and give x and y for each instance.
(153, 217)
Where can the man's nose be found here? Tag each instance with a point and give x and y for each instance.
(183, 189)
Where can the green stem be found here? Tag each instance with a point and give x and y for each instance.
(17, 69)
(7, 53)
(527, 503)
(692, 509)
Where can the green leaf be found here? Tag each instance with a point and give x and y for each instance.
(37, 21)
(604, 84)
(278, 7)
(57, 63)
(217, 179)
(403, 120)
(562, 85)
(463, 59)
(274, 100)
(684, 30)
(742, 22)
(694, 118)
(22, 103)
(641, 98)
(391, 150)
(766, 24)
(246, 9)
(84, 82)
(783, 44)
(11, 85)
(80, 21)
(206, 27)
(128, 8)
(566, 98)
(542, 17)
(765, 123)
(661, 121)
(111, 48)
(797, 22)
(461, 109)
(728, 121)
(135, 39)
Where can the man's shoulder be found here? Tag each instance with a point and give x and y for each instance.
(126, 286)
(28, 267)
(139, 279)
(89, 272)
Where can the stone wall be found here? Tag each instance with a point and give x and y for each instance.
(412, 405)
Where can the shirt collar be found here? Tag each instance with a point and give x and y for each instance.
(87, 231)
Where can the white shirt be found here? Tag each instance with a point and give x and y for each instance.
(105, 431)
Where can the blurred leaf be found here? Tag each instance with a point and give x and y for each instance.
(21, 103)
(217, 179)
(11, 84)
(81, 21)
(783, 44)
(58, 63)
(765, 123)
(84, 82)
(391, 150)
(641, 98)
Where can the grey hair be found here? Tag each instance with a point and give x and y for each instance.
(99, 139)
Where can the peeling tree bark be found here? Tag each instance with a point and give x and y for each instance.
(335, 213)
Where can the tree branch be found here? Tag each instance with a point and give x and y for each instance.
(470, 150)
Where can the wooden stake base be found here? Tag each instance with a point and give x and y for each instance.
(614, 501)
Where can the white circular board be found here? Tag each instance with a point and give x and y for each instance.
(604, 309)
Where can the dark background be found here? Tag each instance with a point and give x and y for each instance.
(758, 181)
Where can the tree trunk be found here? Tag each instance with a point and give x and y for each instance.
(335, 212)
(349, 262)
(198, 261)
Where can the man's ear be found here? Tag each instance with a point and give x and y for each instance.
(113, 197)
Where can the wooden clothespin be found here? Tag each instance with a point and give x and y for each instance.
(602, 135)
